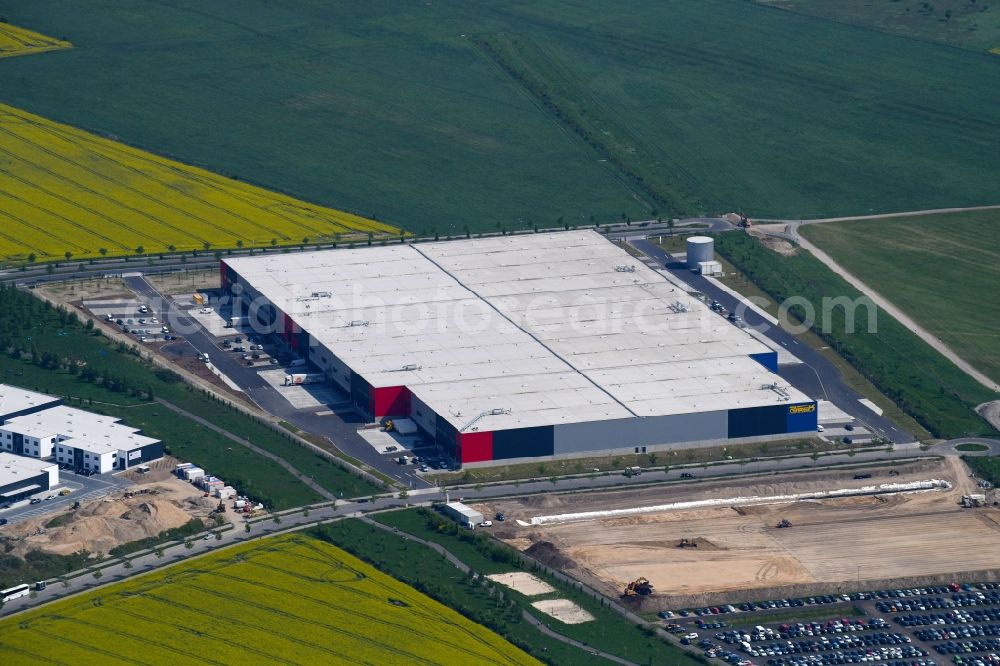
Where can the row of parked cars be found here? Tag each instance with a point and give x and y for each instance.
(953, 633)
(892, 656)
(824, 644)
(776, 603)
(957, 600)
(802, 630)
(991, 659)
(932, 590)
(959, 616)
(963, 647)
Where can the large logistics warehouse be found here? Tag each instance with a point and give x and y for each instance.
(521, 346)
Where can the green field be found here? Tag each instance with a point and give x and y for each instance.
(964, 23)
(903, 367)
(987, 467)
(428, 572)
(445, 115)
(942, 270)
(288, 600)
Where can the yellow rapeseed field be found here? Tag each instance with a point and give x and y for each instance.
(65, 190)
(286, 600)
(16, 41)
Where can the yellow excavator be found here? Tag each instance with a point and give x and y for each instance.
(638, 587)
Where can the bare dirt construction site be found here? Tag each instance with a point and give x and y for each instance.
(158, 501)
(739, 551)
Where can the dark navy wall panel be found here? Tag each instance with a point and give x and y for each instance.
(361, 392)
(523, 442)
(755, 421)
(447, 437)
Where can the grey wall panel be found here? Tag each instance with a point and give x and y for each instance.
(334, 368)
(423, 415)
(626, 433)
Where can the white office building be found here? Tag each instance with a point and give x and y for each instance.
(79, 439)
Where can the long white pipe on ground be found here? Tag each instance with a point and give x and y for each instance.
(881, 489)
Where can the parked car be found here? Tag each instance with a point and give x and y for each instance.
(35, 500)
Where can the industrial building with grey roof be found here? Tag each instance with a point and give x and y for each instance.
(522, 346)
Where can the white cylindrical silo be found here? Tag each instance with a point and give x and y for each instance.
(699, 248)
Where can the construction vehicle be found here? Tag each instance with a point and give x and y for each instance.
(687, 543)
(638, 587)
(221, 508)
(973, 501)
(745, 222)
(784, 523)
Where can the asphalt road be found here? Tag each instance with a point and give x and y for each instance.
(815, 376)
(644, 229)
(83, 489)
(339, 428)
(76, 270)
(295, 518)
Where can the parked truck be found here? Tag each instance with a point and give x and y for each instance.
(237, 322)
(303, 378)
(972, 501)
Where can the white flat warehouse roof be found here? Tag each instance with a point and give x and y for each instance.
(15, 468)
(547, 328)
(14, 399)
(80, 426)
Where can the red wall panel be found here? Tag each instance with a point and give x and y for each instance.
(223, 279)
(391, 401)
(476, 446)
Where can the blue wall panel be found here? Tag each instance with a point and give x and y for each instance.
(801, 417)
(767, 359)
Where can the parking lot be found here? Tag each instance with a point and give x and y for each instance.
(947, 624)
(134, 318)
(82, 488)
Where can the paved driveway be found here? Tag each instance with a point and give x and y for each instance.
(82, 489)
(339, 426)
(815, 376)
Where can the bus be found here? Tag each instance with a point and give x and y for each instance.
(15, 592)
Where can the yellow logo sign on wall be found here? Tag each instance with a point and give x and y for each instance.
(802, 409)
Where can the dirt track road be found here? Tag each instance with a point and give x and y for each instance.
(790, 229)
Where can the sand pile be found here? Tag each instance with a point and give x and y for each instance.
(99, 526)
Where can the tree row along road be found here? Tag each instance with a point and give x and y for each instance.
(528, 617)
(114, 570)
(323, 492)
